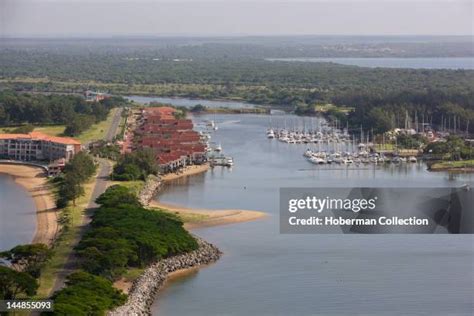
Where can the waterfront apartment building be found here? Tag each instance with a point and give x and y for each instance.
(174, 141)
(37, 146)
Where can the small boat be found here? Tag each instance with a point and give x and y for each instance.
(317, 160)
(412, 159)
(218, 148)
(308, 153)
(221, 161)
(270, 133)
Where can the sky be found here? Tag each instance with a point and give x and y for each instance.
(96, 18)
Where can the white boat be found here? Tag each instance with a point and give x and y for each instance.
(221, 161)
(270, 133)
(211, 123)
(317, 160)
(308, 153)
(218, 148)
(412, 159)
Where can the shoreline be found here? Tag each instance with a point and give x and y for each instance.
(146, 287)
(33, 180)
(209, 217)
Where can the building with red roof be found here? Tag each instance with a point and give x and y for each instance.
(37, 146)
(173, 140)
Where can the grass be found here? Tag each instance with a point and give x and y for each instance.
(97, 131)
(132, 273)
(453, 165)
(53, 130)
(134, 186)
(185, 217)
(65, 242)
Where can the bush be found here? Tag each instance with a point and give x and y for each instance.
(86, 294)
(123, 234)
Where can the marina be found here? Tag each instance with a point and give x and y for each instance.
(392, 270)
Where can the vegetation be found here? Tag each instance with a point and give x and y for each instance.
(28, 258)
(379, 97)
(16, 284)
(454, 148)
(123, 234)
(453, 165)
(104, 149)
(410, 141)
(86, 294)
(76, 172)
(135, 166)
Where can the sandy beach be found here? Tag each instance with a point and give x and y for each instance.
(34, 181)
(195, 218)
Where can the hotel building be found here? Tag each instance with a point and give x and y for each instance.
(37, 146)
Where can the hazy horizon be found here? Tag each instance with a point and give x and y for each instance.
(234, 18)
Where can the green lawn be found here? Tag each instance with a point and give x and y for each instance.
(53, 130)
(97, 131)
(134, 186)
(453, 164)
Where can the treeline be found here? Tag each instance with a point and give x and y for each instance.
(136, 165)
(122, 234)
(72, 111)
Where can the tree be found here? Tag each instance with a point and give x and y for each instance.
(117, 195)
(81, 167)
(86, 294)
(14, 284)
(28, 258)
(69, 190)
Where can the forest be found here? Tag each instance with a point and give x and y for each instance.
(238, 70)
(72, 111)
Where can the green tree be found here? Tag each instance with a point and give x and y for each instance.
(28, 258)
(86, 294)
(15, 284)
(117, 195)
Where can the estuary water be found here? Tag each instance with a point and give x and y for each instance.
(263, 272)
(190, 102)
(414, 63)
(17, 214)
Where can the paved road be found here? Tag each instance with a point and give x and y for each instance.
(114, 127)
(105, 168)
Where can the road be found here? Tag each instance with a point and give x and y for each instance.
(105, 168)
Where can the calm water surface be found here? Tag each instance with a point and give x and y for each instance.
(415, 63)
(265, 273)
(17, 214)
(190, 102)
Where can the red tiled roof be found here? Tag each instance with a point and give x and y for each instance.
(41, 136)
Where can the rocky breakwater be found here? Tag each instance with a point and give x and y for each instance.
(149, 189)
(145, 288)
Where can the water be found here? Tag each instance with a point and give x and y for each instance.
(190, 102)
(415, 63)
(17, 214)
(265, 273)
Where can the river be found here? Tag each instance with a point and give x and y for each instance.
(384, 62)
(17, 214)
(190, 102)
(264, 272)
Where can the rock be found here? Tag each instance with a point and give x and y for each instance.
(144, 288)
(152, 183)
